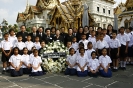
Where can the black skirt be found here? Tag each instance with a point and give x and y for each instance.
(122, 51)
(4, 57)
(113, 53)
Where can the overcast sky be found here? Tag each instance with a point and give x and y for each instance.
(10, 8)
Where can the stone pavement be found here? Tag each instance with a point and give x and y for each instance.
(120, 79)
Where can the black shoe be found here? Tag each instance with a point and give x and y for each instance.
(114, 70)
(120, 68)
(124, 68)
(8, 71)
(4, 71)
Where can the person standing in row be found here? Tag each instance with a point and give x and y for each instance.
(6, 47)
(124, 40)
(23, 33)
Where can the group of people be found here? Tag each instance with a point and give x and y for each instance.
(91, 51)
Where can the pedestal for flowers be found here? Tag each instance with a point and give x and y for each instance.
(54, 57)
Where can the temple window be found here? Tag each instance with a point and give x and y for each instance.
(108, 11)
(97, 9)
(103, 10)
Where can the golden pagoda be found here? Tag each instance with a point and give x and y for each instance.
(68, 14)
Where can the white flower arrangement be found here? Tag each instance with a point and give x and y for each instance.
(54, 50)
(54, 66)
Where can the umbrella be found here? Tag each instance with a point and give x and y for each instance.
(85, 19)
(115, 22)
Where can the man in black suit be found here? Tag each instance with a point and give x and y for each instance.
(23, 33)
(69, 36)
(34, 33)
(41, 34)
(74, 32)
(63, 34)
(48, 38)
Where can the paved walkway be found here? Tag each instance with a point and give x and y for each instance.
(120, 79)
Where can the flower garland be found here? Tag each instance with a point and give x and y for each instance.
(50, 52)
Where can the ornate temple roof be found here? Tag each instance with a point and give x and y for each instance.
(68, 12)
(20, 17)
(35, 9)
(129, 3)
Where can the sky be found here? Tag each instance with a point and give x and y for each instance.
(9, 8)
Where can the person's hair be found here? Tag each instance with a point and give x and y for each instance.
(130, 28)
(25, 48)
(114, 32)
(74, 37)
(19, 36)
(71, 49)
(57, 30)
(81, 44)
(104, 49)
(104, 29)
(83, 34)
(28, 35)
(42, 41)
(37, 37)
(122, 28)
(62, 27)
(41, 27)
(47, 29)
(33, 47)
(53, 28)
(35, 50)
(11, 30)
(81, 49)
(99, 28)
(15, 49)
(69, 41)
(101, 34)
(69, 29)
(93, 52)
(86, 26)
(89, 43)
(22, 26)
(6, 34)
(109, 25)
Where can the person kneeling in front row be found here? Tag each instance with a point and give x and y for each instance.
(105, 61)
(16, 63)
(71, 62)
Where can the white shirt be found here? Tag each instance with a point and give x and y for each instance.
(37, 45)
(35, 61)
(131, 39)
(6, 45)
(101, 44)
(123, 38)
(15, 60)
(82, 61)
(26, 60)
(85, 42)
(93, 64)
(20, 45)
(88, 53)
(77, 52)
(29, 45)
(72, 60)
(31, 56)
(93, 40)
(75, 46)
(114, 43)
(106, 38)
(13, 39)
(104, 60)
